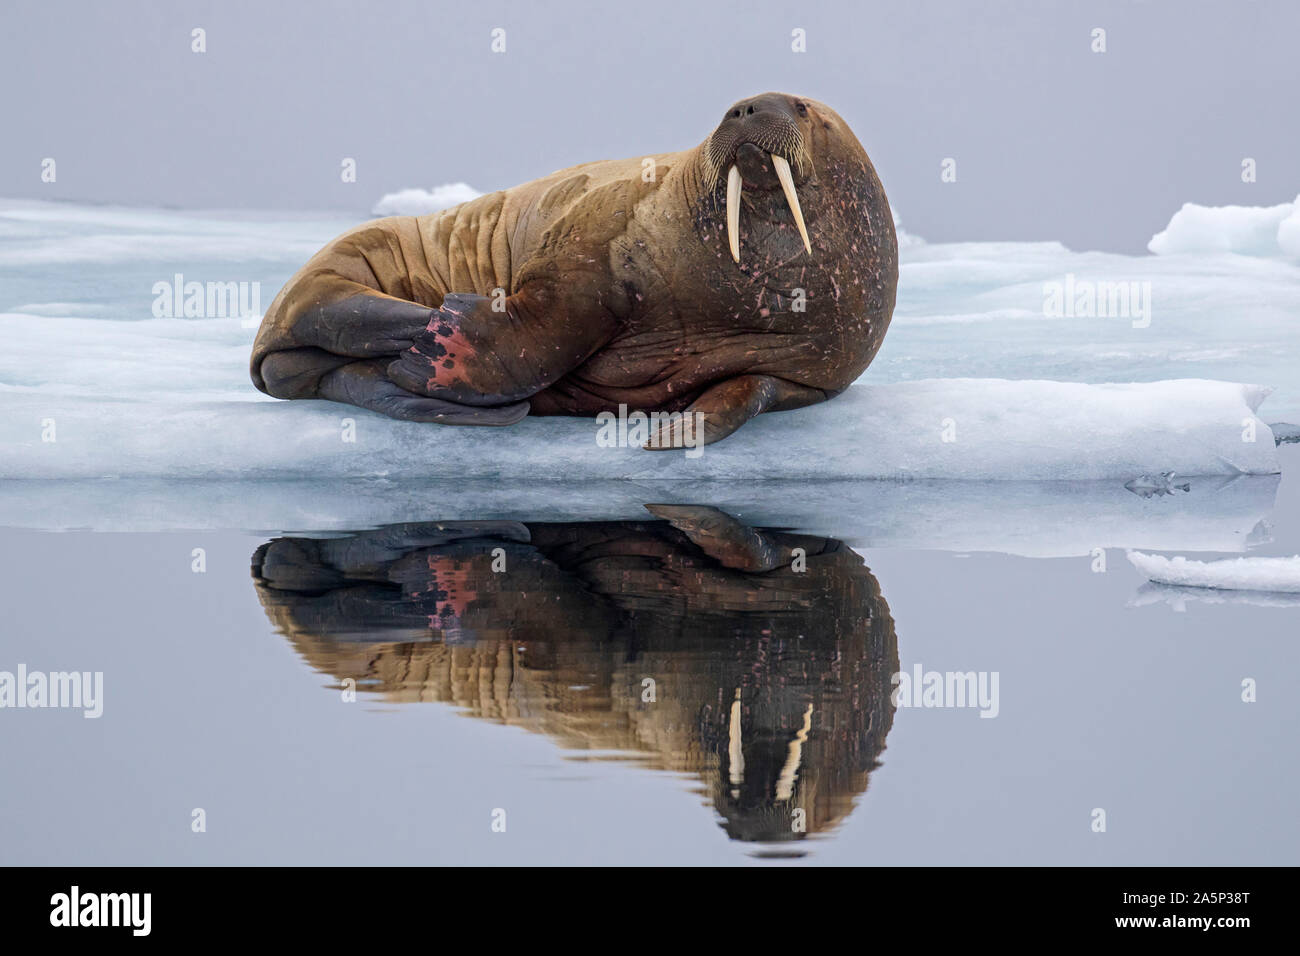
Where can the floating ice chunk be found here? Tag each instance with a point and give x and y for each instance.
(1288, 232)
(419, 202)
(942, 428)
(1247, 230)
(1248, 574)
(129, 394)
(971, 308)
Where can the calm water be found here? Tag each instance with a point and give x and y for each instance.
(637, 691)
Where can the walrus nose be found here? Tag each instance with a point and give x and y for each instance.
(764, 103)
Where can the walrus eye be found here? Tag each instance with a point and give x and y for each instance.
(802, 108)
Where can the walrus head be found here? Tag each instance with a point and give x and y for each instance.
(763, 144)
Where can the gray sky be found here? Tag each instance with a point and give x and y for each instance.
(1052, 141)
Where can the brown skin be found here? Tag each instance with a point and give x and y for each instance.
(750, 653)
(591, 288)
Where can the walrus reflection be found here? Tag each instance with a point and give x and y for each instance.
(759, 660)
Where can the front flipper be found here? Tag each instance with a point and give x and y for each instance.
(726, 406)
(481, 350)
(365, 385)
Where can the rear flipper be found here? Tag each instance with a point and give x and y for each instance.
(324, 321)
(346, 336)
(362, 324)
(319, 564)
(366, 385)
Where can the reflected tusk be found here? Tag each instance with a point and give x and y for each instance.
(793, 758)
(735, 753)
(733, 212)
(792, 197)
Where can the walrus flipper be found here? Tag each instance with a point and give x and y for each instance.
(481, 350)
(366, 385)
(322, 321)
(365, 324)
(728, 404)
(344, 336)
(731, 543)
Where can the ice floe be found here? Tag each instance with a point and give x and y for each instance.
(1233, 574)
(419, 202)
(92, 384)
(1246, 230)
(971, 429)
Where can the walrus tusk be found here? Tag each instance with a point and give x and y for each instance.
(792, 197)
(733, 212)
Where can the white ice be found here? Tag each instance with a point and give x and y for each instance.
(1233, 574)
(113, 416)
(419, 202)
(129, 395)
(1247, 230)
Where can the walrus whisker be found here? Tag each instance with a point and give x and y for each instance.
(792, 197)
(788, 142)
(733, 212)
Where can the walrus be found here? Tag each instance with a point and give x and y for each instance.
(755, 272)
(771, 652)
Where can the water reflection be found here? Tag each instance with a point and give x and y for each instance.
(757, 659)
(1179, 596)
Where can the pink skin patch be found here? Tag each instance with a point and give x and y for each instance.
(445, 350)
(452, 583)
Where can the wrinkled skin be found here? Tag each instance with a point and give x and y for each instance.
(591, 288)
